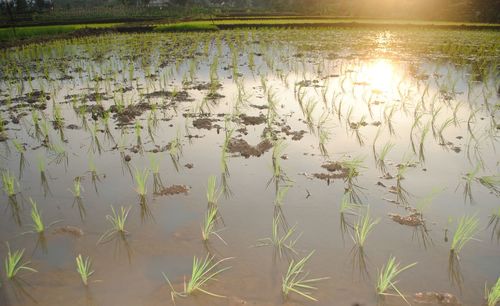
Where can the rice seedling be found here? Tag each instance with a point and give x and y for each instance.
(22, 161)
(38, 225)
(141, 179)
(203, 271)
(363, 227)
(209, 224)
(281, 242)
(380, 158)
(213, 192)
(84, 268)
(154, 163)
(117, 220)
(491, 182)
(466, 229)
(9, 183)
(468, 180)
(13, 264)
(494, 223)
(387, 277)
(280, 194)
(296, 279)
(493, 295)
(77, 187)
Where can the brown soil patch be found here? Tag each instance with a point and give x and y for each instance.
(68, 230)
(204, 123)
(246, 150)
(252, 120)
(436, 298)
(296, 135)
(172, 190)
(415, 219)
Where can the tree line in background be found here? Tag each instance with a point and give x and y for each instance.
(465, 10)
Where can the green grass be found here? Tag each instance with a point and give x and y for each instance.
(387, 277)
(295, 280)
(84, 268)
(13, 263)
(466, 229)
(186, 27)
(211, 25)
(203, 271)
(7, 34)
(493, 296)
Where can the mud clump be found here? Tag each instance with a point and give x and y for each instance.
(244, 149)
(173, 190)
(68, 230)
(415, 219)
(180, 96)
(252, 120)
(128, 114)
(436, 298)
(296, 135)
(204, 123)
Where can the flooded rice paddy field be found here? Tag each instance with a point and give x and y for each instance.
(297, 137)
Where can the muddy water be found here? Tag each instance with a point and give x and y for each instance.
(364, 89)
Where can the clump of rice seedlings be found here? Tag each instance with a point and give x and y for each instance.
(77, 194)
(138, 129)
(208, 227)
(296, 279)
(278, 172)
(38, 225)
(468, 180)
(381, 157)
(493, 295)
(443, 126)
(347, 208)
(174, 150)
(224, 160)
(117, 220)
(84, 268)
(363, 227)
(22, 161)
(421, 150)
(93, 173)
(41, 164)
(282, 242)
(491, 182)
(203, 271)
(466, 229)
(154, 163)
(13, 263)
(494, 223)
(58, 121)
(77, 187)
(425, 201)
(387, 277)
(9, 183)
(94, 139)
(141, 179)
(324, 137)
(280, 194)
(213, 192)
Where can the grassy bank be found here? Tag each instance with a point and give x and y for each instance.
(21, 33)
